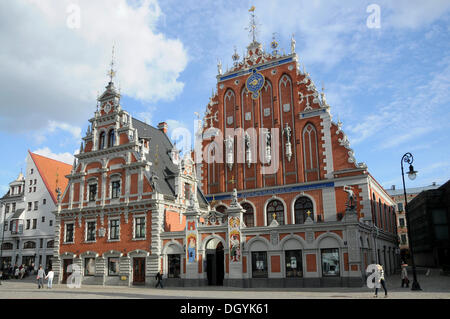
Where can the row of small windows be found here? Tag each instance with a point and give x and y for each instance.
(330, 262)
(28, 245)
(111, 139)
(113, 231)
(115, 191)
(303, 207)
(30, 224)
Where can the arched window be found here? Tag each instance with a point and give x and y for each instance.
(302, 206)
(275, 209)
(50, 244)
(7, 246)
(111, 138)
(248, 215)
(101, 142)
(221, 209)
(310, 153)
(29, 245)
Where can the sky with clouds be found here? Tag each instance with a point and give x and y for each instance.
(390, 86)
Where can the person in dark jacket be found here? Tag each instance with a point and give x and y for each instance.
(158, 277)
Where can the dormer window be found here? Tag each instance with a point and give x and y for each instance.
(102, 141)
(111, 138)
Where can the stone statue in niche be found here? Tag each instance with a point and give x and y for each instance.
(351, 197)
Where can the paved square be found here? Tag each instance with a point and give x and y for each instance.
(434, 287)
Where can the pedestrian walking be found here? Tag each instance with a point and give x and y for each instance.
(40, 277)
(16, 273)
(159, 279)
(50, 276)
(22, 272)
(380, 281)
(404, 276)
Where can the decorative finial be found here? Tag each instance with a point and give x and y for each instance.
(112, 73)
(293, 44)
(274, 45)
(219, 67)
(252, 27)
(235, 57)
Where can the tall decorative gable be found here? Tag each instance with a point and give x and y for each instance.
(270, 92)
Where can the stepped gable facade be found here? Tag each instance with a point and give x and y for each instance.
(268, 136)
(128, 185)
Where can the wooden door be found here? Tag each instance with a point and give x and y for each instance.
(138, 271)
(66, 274)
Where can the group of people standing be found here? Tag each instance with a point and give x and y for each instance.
(17, 272)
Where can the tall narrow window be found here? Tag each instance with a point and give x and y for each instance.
(139, 231)
(115, 189)
(310, 153)
(90, 231)
(249, 215)
(34, 223)
(302, 208)
(114, 229)
(69, 233)
(111, 138)
(92, 192)
(275, 210)
(101, 144)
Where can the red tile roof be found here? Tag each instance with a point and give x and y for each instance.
(48, 169)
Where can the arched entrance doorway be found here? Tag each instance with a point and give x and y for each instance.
(215, 262)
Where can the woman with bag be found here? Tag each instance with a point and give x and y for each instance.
(404, 276)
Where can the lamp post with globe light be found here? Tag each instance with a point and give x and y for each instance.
(408, 158)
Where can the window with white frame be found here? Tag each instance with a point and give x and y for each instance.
(139, 227)
(90, 231)
(114, 229)
(92, 192)
(115, 189)
(68, 238)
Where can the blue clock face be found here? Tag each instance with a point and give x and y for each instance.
(255, 83)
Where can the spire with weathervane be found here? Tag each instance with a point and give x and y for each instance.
(252, 29)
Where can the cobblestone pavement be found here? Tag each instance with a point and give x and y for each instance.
(434, 287)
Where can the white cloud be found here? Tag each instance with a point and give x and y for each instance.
(74, 130)
(415, 13)
(52, 72)
(63, 157)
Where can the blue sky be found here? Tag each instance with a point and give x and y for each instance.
(390, 86)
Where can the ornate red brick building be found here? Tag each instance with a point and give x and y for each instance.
(286, 204)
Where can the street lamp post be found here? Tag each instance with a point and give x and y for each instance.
(408, 158)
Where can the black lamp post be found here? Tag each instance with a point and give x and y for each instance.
(408, 158)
